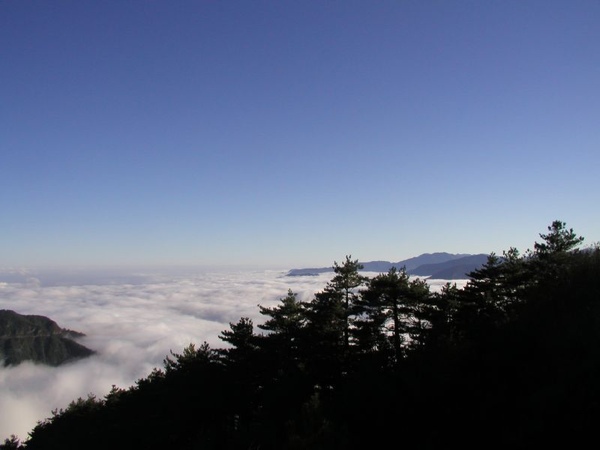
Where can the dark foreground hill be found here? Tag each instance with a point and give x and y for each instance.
(509, 361)
(38, 339)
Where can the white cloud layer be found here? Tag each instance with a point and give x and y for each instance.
(132, 322)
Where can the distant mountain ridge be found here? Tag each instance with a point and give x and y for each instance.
(37, 339)
(440, 266)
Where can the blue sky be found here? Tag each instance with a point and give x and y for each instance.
(286, 133)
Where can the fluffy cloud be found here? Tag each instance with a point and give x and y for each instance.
(133, 321)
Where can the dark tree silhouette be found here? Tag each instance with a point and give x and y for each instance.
(390, 310)
(510, 361)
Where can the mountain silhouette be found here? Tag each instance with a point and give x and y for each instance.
(440, 265)
(37, 339)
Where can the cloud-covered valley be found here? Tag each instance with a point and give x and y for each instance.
(132, 321)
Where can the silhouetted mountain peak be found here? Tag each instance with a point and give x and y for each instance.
(439, 265)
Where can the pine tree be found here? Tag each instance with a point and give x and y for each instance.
(329, 319)
(391, 309)
(558, 240)
(285, 325)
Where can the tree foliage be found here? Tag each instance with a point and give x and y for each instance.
(515, 355)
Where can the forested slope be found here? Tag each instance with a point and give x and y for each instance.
(510, 361)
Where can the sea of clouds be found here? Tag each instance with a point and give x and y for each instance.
(133, 320)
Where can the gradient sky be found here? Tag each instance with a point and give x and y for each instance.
(293, 133)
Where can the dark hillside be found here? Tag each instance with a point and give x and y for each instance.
(38, 339)
(512, 360)
(456, 269)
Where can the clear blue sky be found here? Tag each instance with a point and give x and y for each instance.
(293, 133)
